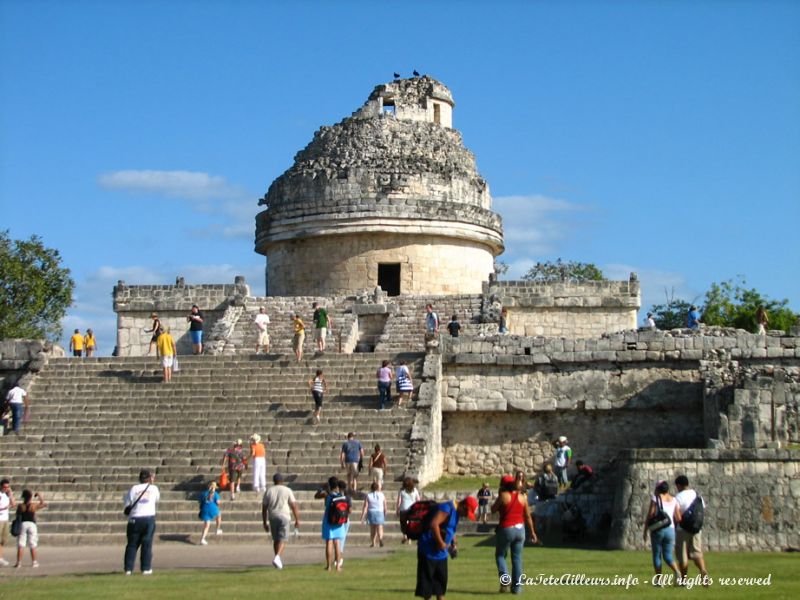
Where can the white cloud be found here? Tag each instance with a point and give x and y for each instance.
(658, 287)
(190, 185)
(535, 226)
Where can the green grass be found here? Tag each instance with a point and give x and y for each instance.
(462, 484)
(472, 575)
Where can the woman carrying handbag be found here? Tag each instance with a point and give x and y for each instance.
(662, 515)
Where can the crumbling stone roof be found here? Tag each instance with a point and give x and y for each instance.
(373, 163)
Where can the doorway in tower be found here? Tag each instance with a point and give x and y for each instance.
(389, 278)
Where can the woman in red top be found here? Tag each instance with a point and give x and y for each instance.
(514, 515)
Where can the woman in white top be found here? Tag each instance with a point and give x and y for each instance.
(375, 511)
(662, 537)
(405, 498)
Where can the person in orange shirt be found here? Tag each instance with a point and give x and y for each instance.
(76, 343)
(258, 458)
(89, 342)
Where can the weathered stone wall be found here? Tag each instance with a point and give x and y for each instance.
(630, 390)
(426, 454)
(134, 304)
(20, 359)
(753, 406)
(566, 309)
(752, 496)
(339, 264)
(478, 444)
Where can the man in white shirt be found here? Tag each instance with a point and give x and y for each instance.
(18, 401)
(687, 545)
(7, 502)
(142, 499)
(279, 505)
(261, 322)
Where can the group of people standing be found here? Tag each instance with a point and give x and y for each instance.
(323, 323)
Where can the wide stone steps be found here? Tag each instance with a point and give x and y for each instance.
(95, 423)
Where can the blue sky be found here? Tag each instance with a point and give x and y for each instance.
(656, 137)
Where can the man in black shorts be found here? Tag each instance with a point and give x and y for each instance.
(437, 543)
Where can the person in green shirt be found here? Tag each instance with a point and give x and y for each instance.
(322, 322)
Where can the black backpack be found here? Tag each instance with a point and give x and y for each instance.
(692, 519)
(339, 511)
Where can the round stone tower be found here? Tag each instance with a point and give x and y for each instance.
(390, 196)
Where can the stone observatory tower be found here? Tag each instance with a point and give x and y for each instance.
(389, 196)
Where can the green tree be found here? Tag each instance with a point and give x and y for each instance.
(731, 304)
(672, 314)
(559, 270)
(35, 290)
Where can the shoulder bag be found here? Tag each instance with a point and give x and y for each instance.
(660, 520)
(127, 510)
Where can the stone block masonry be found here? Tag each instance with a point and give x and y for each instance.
(752, 496)
(566, 309)
(134, 304)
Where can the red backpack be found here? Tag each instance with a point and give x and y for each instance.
(339, 510)
(417, 519)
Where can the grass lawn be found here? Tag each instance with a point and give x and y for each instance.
(472, 575)
(462, 484)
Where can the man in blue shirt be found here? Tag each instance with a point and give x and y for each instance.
(351, 456)
(436, 543)
(693, 318)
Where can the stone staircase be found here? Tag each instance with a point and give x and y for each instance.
(96, 422)
(405, 328)
(281, 329)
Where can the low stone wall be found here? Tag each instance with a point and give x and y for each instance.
(426, 454)
(134, 305)
(752, 496)
(567, 309)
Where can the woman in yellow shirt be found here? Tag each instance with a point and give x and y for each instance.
(299, 337)
(89, 342)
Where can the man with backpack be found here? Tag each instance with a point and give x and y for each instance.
(436, 542)
(688, 543)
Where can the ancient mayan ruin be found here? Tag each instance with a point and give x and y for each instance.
(378, 216)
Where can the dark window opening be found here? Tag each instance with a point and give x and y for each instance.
(389, 278)
(437, 114)
(388, 107)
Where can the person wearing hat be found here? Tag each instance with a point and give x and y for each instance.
(277, 509)
(437, 543)
(141, 499)
(258, 458)
(236, 463)
(515, 514)
(650, 322)
(155, 329)
(561, 461)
